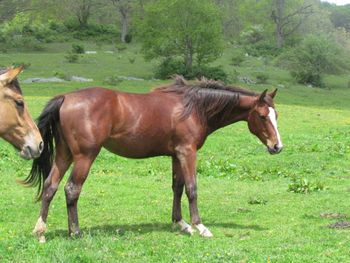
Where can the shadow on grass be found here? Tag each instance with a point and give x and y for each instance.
(140, 229)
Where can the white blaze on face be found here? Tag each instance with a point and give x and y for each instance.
(272, 116)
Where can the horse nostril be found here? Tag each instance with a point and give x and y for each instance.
(41, 146)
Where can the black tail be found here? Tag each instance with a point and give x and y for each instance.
(47, 124)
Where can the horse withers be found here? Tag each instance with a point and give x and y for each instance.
(16, 125)
(173, 120)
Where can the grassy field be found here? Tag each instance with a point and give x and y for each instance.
(244, 197)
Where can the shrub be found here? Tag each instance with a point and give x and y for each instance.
(170, 67)
(252, 35)
(131, 60)
(238, 56)
(215, 73)
(112, 80)
(261, 78)
(314, 57)
(78, 49)
(128, 38)
(121, 46)
(72, 57)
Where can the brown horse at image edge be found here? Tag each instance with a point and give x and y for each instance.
(16, 125)
(172, 120)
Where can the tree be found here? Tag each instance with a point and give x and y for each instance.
(287, 24)
(190, 29)
(315, 56)
(124, 8)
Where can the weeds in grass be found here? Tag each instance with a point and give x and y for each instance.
(112, 80)
(304, 186)
(256, 200)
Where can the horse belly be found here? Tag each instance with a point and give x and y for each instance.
(139, 146)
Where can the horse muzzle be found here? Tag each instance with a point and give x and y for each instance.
(29, 152)
(275, 150)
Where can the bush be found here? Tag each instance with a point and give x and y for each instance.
(121, 46)
(131, 60)
(215, 73)
(78, 49)
(261, 49)
(128, 38)
(112, 80)
(238, 56)
(315, 56)
(261, 78)
(170, 67)
(72, 57)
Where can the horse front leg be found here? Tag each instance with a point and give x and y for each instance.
(73, 188)
(59, 167)
(178, 187)
(187, 157)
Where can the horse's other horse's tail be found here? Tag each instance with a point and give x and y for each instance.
(47, 124)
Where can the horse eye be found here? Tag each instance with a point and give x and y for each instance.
(263, 117)
(19, 103)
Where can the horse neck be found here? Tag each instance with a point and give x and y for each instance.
(239, 113)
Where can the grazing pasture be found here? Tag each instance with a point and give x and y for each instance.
(259, 207)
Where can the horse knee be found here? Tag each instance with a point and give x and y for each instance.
(191, 192)
(72, 193)
(49, 192)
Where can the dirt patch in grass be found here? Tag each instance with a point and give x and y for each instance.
(333, 215)
(340, 225)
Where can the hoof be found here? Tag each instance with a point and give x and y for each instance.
(42, 239)
(39, 230)
(184, 227)
(75, 234)
(203, 231)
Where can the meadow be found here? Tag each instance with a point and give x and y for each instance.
(260, 208)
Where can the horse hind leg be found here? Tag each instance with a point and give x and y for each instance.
(61, 164)
(73, 188)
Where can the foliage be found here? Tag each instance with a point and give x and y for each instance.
(252, 35)
(78, 49)
(238, 56)
(192, 31)
(170, 67)
(112, 80)
(256, 200)
(261, 77)
(314, 57)
(304, 186)
(72, 57)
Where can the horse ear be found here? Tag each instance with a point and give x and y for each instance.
(11, 74)
(273, 94)
(262, 96)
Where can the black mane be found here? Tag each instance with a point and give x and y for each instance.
(212, 100)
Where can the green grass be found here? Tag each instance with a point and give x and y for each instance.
(125, 205)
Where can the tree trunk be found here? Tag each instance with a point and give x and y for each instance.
(279, 20)
(189, 54)
(124, 21)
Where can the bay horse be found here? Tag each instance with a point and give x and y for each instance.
(172, 120)
(16, 125)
